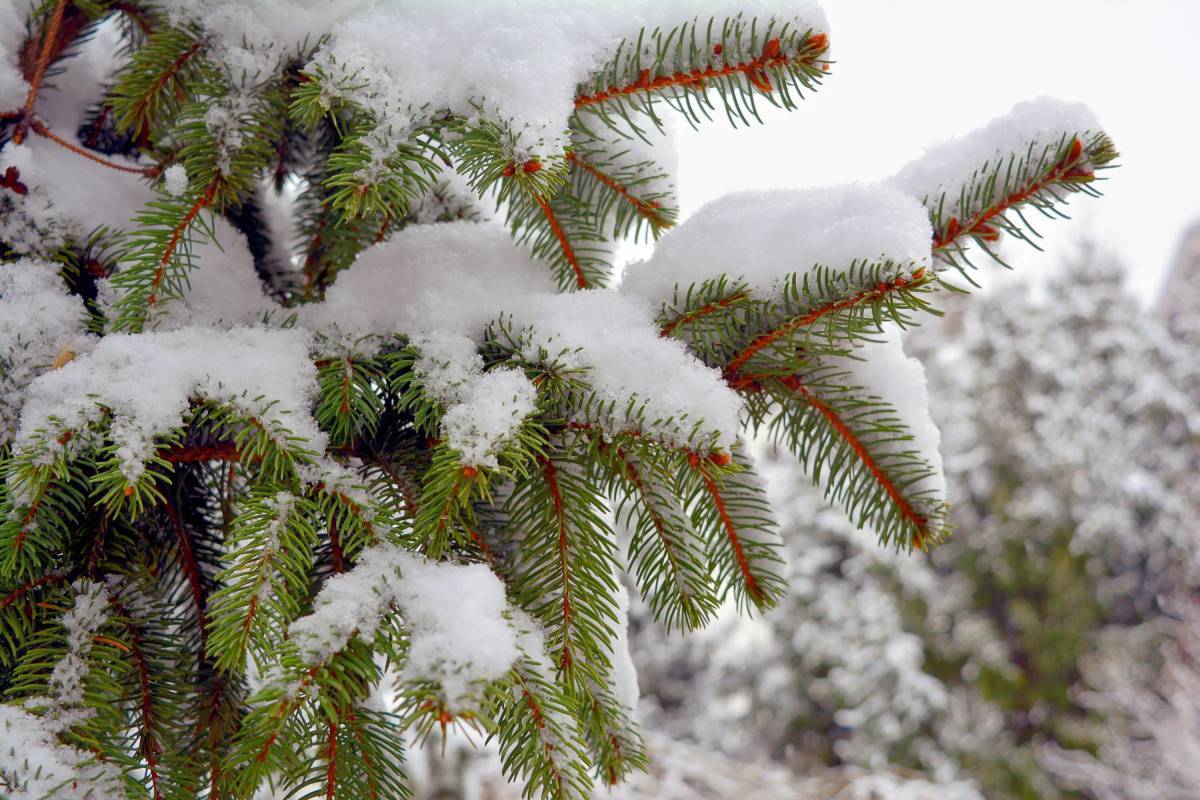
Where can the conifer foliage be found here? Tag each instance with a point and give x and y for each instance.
(299, 455)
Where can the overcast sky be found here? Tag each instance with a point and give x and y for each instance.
(911, 72)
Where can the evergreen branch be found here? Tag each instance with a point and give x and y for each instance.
(191, 569)
(664, 554)
(724, 300)
(568, 253)
(872, 298)
(564, 571)
(156, 258)
(681, 65)
(855, 446)
(628, 189)
(150, 87)
(615, 746)
(980, 213)
(730, 511)
(41, 129)
(267, 584)
(538, 743)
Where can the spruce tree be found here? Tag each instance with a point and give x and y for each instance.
(301, 457)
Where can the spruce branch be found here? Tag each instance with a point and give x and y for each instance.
(738, 59)
(996, 196)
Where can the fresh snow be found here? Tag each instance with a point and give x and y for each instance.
(516, 62)
(39, 322)
(883, 369)
(48, 769)
(147, 381)
(952, 166)
(175, 180)
(456, 616)
(13, 87)
(766, 236)
(91, 610)
(455, 278)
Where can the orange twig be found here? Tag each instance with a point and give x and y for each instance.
(41, 129)
(703, 311)
(735, 540)
(864, 455)
(979, 225)
(563, 544)
(754, 70)
(45, 53)
(176, 237)
(564, 243)
(648, 210)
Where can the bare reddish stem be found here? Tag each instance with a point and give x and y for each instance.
(46, 52)
(41, 129)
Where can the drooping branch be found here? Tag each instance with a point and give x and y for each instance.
(560, 516)
(647, 209)
(749, 580)
(176, 237)
(919, 522)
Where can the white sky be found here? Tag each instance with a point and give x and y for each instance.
(911, 72)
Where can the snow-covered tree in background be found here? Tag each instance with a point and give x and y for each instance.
(1150, 746)
(299, 455)
(1070, 422)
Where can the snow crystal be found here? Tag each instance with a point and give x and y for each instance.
(456, 616)
(948, 166)
(886, 371)
(50, 769)
(175, 180)
(490, 413)
(39, 322)
(448, 362)
(765, 236)
(147, 380)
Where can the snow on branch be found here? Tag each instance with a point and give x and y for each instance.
(523, 63)
(145, 383)
(980, 185)
(461, 276)
(456, 616)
